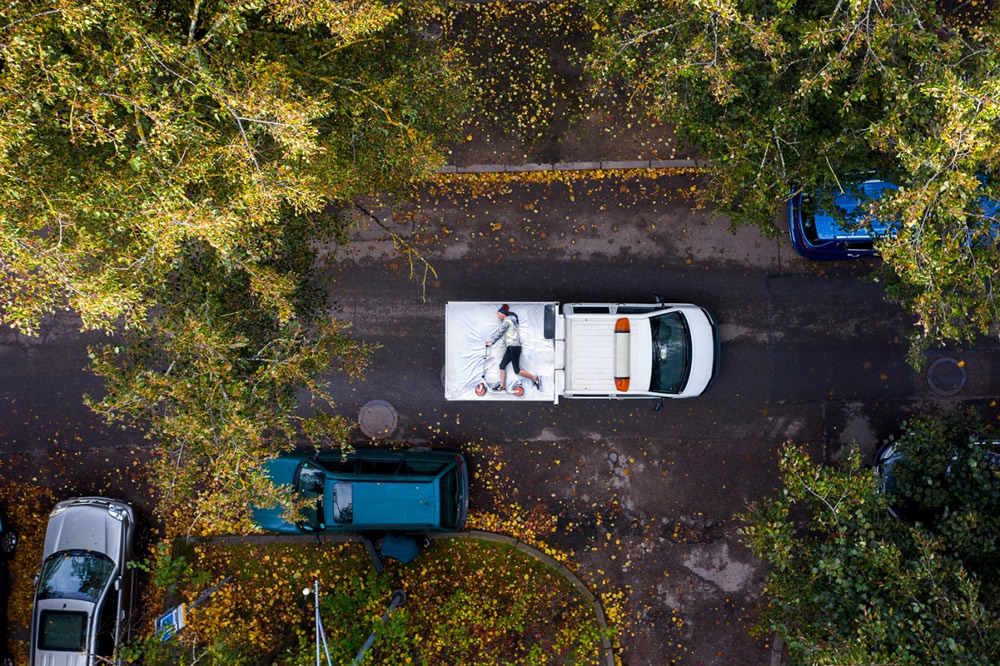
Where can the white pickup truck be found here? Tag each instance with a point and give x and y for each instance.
(583, 350)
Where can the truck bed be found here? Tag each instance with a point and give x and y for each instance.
(467, 327)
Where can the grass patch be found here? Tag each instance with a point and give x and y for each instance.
(468, 601)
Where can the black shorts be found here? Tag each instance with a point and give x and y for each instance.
(512, 355)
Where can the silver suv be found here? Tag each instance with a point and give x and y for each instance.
(83, 593)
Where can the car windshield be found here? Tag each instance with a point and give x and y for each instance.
(671, 353)
(309, 481)
(65, 631)
(885, 463)
(451, 498)
(75, 574)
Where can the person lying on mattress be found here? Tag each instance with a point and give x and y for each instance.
(508, 334)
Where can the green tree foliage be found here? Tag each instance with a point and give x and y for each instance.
(132, 130)
(166, 170)
(779, 94)
(225, 383)
(947, 479)
(852, 585)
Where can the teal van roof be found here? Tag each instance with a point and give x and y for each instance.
(393, 503)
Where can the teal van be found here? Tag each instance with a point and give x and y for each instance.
(370, 489)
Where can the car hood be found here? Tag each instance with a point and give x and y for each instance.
(86, 527)
(281, 471)
(703, 351)
(272, 521)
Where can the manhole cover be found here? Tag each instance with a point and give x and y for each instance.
(432, 30)
(377, 419)
(946, 376)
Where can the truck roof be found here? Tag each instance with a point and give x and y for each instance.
(589, 350)
(592, 366)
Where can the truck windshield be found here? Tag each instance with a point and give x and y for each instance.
(671, 353)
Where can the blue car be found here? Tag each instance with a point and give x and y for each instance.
(371, 490)
(817, 234)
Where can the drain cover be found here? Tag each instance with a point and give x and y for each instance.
(945, 376)
(377, 419)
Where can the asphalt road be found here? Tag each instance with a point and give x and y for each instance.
(812, 353)
(643, 500)
(796, 335)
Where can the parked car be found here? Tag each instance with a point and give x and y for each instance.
(407, 491)
(818, 234)
(985, 453)
(8, 543)
(83, 593)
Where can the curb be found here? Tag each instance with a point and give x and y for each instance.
(572, 166)
(777, 647)
(608, 656)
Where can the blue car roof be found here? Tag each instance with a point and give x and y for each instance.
(416, 491)
(828, 227)
(990, 207)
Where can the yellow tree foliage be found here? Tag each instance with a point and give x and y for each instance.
(130, 130)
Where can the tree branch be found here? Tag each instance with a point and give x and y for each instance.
(410, 251)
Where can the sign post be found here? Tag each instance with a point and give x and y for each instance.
(172, 621)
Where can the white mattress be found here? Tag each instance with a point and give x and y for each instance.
(468, 326)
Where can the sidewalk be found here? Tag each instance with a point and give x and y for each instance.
(574, 166)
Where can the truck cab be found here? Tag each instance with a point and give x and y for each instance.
(635, 350)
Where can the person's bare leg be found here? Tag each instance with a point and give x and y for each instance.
(525, 373)
(503, 378)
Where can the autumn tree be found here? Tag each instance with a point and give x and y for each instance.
(850, 584)
(779, 95)
(168, 171)
(131, 131)
(225, 382)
